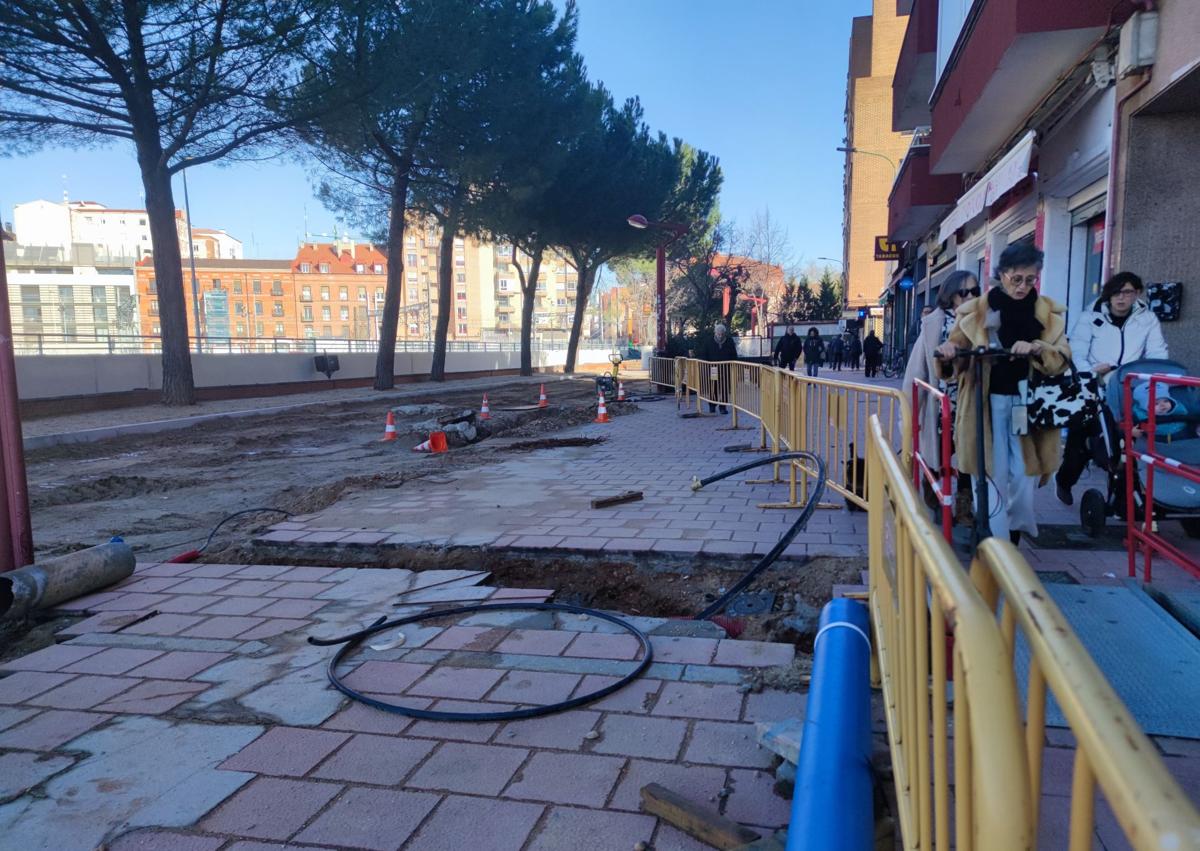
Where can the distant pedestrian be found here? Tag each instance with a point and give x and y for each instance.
(787, 350)
(872, 353)
(814, 352)
(717, 350)
(837, 350)
(854, 350)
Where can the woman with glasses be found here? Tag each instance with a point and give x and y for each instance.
(935, 327)
(1119, 328)
(1033, 328)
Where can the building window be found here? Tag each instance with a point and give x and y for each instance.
(379, 294)
(505, 283)
(241, 329)
(504, 250)
(362, 293)
(324, 267)
(378, 268)
(346, 332)
(152, 286)
(327, 330)
(359, 268)
(324, 293)
(239, 309)
(276, 287)
(306, 293)
(156, 330)
(154, 307)
(412, 277)
(306, 313)
(460, 261)
(410, 239)
(278, 329)
(305, 268)
(277, 309)
(460, 278)
(412, 260)
(344, 293)
(258, 308)
(258, 329)
(462, 327)
(256, 286)
(237, 286)
(425, 278)
(309, 333)
(344, 313)
(142, 222)
(425, 261)
(325, 314)
(462, 313)
(503, 301)
(216, 283)
(458, 240)
(562, 302)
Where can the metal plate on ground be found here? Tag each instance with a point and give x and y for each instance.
(1152, 662)
(1062, 577)
(1070, 536)
(755, 603)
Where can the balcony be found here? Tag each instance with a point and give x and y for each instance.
(1007, 57)
(915, 68)
(919, 198)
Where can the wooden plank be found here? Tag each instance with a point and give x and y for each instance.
(694, 820)
(606, 501)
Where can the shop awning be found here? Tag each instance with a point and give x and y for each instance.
(1011, 170)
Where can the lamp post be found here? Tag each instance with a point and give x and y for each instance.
(675, 230)
(884, 157)
(16, 532)
(187, 209)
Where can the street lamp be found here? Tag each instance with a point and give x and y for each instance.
(883, 157)
(833, 260)
(675, 230)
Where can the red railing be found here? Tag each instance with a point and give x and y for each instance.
(921, 468)
(1143, 536)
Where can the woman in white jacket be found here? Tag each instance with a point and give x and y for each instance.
(1118, 329)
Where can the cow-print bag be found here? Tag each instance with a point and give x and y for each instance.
(1067, 400)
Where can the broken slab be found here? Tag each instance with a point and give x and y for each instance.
(782, 737)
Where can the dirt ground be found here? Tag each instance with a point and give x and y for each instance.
(164, 492)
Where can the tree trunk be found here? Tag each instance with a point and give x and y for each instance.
(583, 291)
(178, 386)
(385, 359)
(446, 304)
(528, 300)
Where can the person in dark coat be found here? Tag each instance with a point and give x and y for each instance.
(854, 350)
(715, 350)
(837, 350)
(787, 350)
(814, 352)
(872, 350)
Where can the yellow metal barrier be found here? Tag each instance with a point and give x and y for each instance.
(663, 373)
(919, 594)
(796, 412)
(1111, 750)
(917, 590)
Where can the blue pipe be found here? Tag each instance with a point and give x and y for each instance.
(832, 804)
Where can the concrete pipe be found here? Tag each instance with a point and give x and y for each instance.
(57, 580)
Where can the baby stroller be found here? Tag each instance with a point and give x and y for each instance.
(1175, 498)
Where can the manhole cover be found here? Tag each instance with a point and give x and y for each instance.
(1060, 577)
(751, 604)
(1054, 536)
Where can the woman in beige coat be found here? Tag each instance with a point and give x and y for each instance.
(1033, 327)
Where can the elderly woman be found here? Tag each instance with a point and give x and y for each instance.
(958, 287)
(1033, 328)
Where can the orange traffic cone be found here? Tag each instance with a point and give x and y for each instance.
(437, 442)
(484, 413)
(620, 391)
(427, 446)
(601, 411)
(389, 428)
(542, 403)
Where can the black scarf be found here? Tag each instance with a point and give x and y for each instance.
(1017, 317)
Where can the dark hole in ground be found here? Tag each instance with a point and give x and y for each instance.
(554, 443)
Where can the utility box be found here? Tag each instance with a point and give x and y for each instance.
(327, 364)
(1139, 43)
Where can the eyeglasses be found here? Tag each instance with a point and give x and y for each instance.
(1126, 292)
(1018, 280)
(971, 293)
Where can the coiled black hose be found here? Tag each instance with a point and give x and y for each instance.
(814, 497)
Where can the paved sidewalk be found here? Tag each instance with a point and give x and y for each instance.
(188, 713)
(541, 499)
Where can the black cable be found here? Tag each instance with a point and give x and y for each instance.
(229, 517)
(353, 640)
(718, 605)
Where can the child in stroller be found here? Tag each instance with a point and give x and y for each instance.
(1170, 413)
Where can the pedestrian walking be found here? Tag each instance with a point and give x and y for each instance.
(716, 350)
(1033, 328)
(854, 350)
(814, 352)
(1119, 328)
(787, 350)
(872, 349)
(837, 350)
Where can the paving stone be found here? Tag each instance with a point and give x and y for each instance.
(773, 705)
(270, 808)
(273, 627)
(142, 772)
(720, 743)
(50, 729)
(236, 606)
(186, 604)
(750, 654)
(637, 696)
(602, 646)
(711, 674)
(251, 588)
(566, 827)
(223, 626)
(301, 697)
(292, 608)
(102, 623)
(162, 569)
(385, 677)
(165, 624)
(457, 731)
(178, 665)
(469, 768)
(538, 688)
(84, 692)
(163, 840)
(359, 718)
(753, 800)
(270, 846)
(20, 772)
(696, 700)
(201, 586)
(377, 760)
(378, 819)
(174, 642)
(698, 783)
(478, 638)
(116, 660)
(216, 571)
(670, 839)
(11, 716)
(153, 697)
(308, 574)
(52, 658)
(561, 731)
(564, 778)
(287, 751)
(455, 825)
(633, 735)
(537, 642)
(460, 683)
(697, 651)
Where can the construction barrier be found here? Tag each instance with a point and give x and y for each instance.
(663, 373)
(1142, 534)
(993, 758)
(796, 412)
(936, 472)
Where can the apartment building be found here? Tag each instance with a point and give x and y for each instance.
(873, 148)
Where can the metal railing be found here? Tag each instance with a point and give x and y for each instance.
(663, 373)
(796, 412)
(985, 741)
(937, 473)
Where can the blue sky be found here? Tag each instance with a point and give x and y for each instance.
(759, 83)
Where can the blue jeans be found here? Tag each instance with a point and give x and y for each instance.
(811, 369)
(1010, 510)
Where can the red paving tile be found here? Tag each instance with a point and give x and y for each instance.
(535, 687)
(632, 735)
(178, 664)
(236, 606)
(115, 660)
(698, 783)
(153, 839)
(469, 768)
(598, 645)
(377, 819)
(699, 700)
(250, 588)
(720, 743)
(272, 628)
(84, 692)
(566, 827)
(567, 778)
(292, 608)
(636, 697)
(772, 705)
(385, 677)
(753, 800)
(51, 658)
(154, 697)
(467, 638)
(562, 731)
(687, 651)
(377, 760)
(538, 642)
(289, 751)
(222, 626)
(750, 654)
(455, 825)
(201, 586)
(105, 622)
(301, 590)
(308, 574)
(459, 683)
(458, 731)
(185, 604)
(270, 808)
(359, 718)
(165, 624)
(49, 729)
